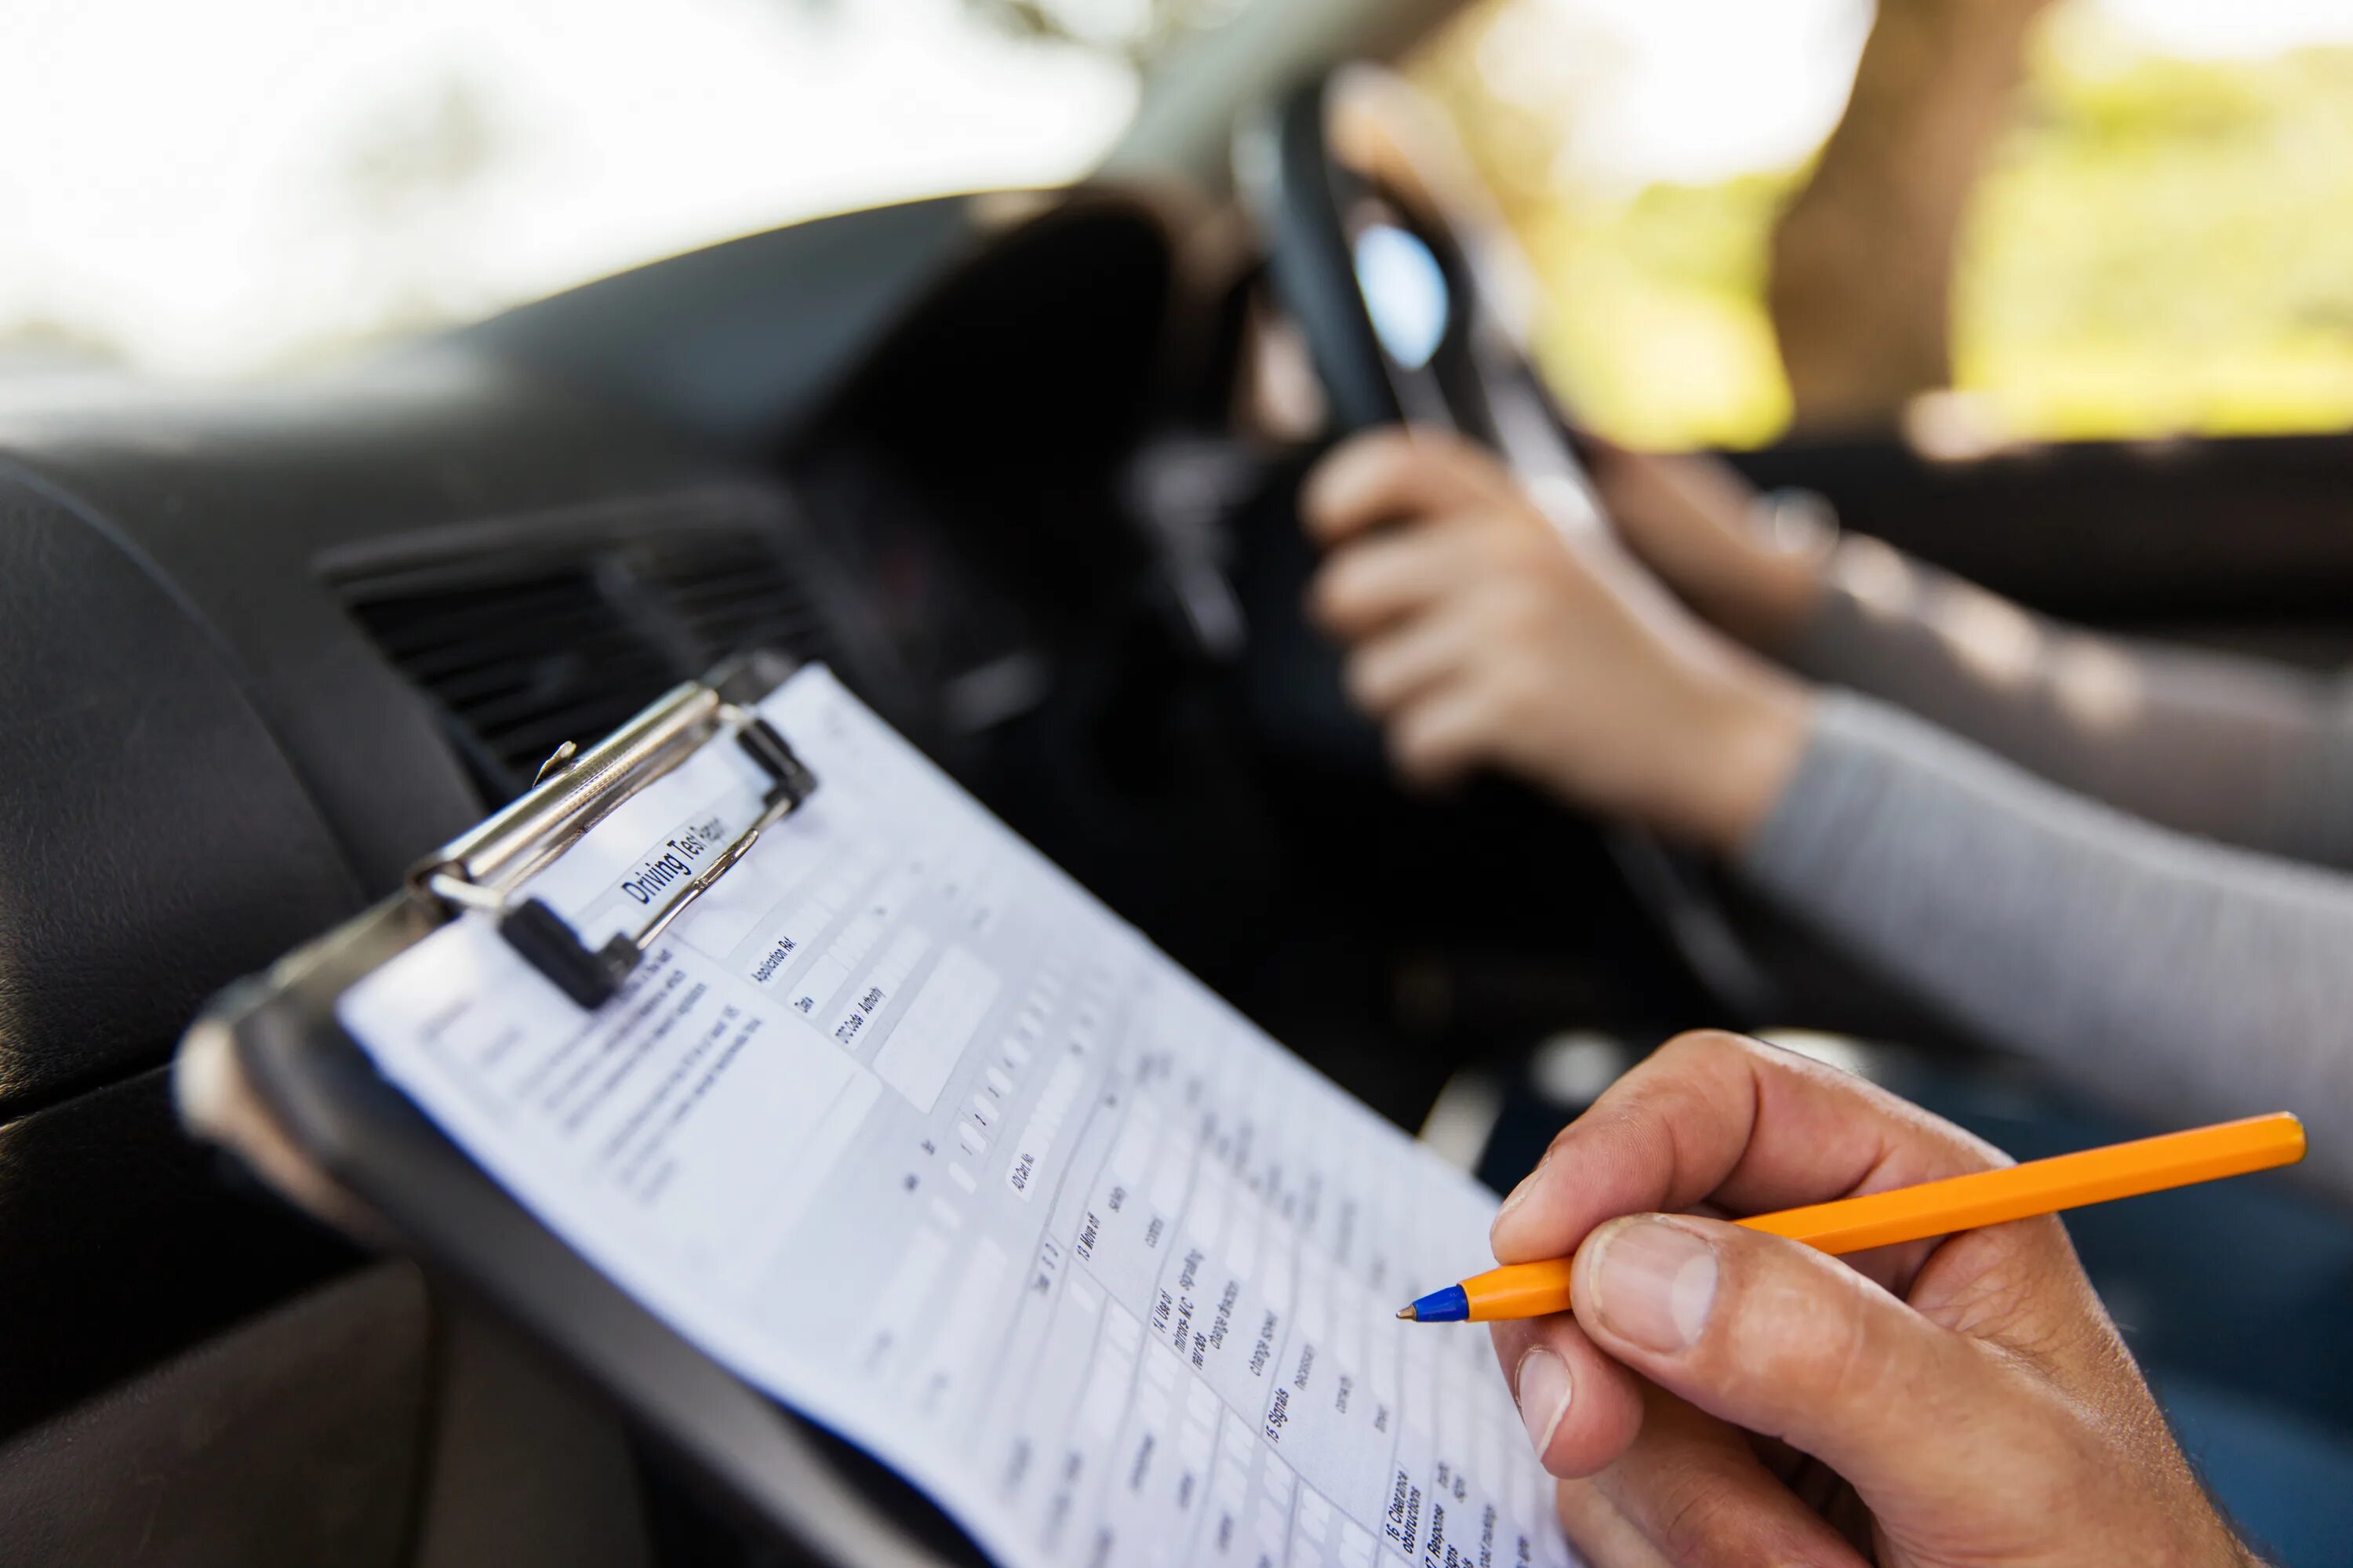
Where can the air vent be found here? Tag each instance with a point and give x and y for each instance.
(526, 647)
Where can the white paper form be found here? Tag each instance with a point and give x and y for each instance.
(911, 1133)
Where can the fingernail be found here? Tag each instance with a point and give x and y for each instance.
(1653, 1283)
(1518, 1195)
(1540, 1383)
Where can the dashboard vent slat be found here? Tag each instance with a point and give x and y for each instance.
(523, 648)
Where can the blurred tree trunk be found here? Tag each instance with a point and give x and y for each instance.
(1863, 260)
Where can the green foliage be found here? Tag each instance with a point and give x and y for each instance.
(2159, 246)
(1658, 327)
(2166, 245)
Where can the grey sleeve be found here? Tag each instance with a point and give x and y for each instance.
(2178, 978)
(2229, 749)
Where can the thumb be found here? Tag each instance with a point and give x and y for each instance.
(1785, 1341)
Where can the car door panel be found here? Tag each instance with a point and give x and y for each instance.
(2237, 540)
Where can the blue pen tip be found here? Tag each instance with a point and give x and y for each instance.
(1447, 1305)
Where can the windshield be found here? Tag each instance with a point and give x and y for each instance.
(238, 186)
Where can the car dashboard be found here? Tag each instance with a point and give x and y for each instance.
(266, 646)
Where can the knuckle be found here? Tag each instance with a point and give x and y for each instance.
(1793, 1341)
(1855, 1360)
(1374, 457)
(1651, 1106)
(1698, 1057)
(1500, 553)
(1337, 594)
(1579, 1129)
(1526, 549)
(1323, 594)
(1449, 449)
(1703, 1048)
(1509, 715)
(1697, 1522)
(1488, 712)
(1482, 560)
(1426, 754)
(2023, 1290)
(1414, 751)
(1370, 679)
(1516, 607)
(1524, 688)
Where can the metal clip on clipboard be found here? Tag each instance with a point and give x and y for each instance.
(577, 790)
(267, 1070)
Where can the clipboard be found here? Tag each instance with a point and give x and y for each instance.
(268, 1072)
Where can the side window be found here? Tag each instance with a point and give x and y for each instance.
(2033, 218)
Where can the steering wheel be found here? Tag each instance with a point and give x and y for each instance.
(1384, 249)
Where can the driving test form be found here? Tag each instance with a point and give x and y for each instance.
(909, 1131)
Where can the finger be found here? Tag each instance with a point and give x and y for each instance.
(1753, 1128)
(1604, 1537)
(1699, 488)
(1581, 1408)
(1593, 449)
(1441, 736)
(1399, 472)
(1697, 1493)
(1372, 583)
(1772, 1336)
(1707, 489)
(1403, 663)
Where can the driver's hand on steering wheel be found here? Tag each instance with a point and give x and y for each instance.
(1723, 1397)
(1703, 528)
(1482, 636)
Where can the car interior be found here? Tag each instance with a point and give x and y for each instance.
(1003, 462)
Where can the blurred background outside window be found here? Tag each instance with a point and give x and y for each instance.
(2089, 217)
(219, 187)
(2092, 217)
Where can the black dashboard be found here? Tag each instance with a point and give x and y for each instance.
(263, 647)
(387, 594)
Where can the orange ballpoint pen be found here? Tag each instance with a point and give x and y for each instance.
(1930, 1208)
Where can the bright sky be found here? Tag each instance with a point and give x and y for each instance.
(222, 186)
(179, 175)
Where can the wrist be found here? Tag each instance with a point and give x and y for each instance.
(1750, 730)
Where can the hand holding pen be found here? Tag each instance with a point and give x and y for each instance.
(1722, 1396)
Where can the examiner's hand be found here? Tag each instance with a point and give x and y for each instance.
(1479, 635)
(1727, 1398)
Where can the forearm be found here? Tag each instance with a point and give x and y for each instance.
(2185, 980)
(2228, 748)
